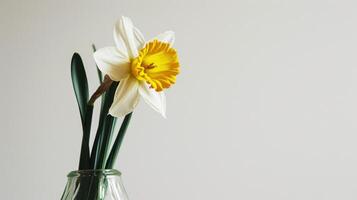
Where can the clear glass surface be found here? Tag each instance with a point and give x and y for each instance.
(94, 185)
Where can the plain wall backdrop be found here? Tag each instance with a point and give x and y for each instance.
(265, 107)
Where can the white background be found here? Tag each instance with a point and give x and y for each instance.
(265, 107)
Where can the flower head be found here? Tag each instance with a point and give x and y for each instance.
(144, 69)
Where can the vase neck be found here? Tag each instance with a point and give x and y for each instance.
(103, 184)
(93, 173)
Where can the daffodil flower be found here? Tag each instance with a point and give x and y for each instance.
(144, 68)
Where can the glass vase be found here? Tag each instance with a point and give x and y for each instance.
(103, 184)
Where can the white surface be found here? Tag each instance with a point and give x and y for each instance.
(265, 106)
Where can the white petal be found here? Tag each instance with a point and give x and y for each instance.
(156, 100)
(168, 37)
(128, 38)
(126, 97)
(113, 63)
(139, 37)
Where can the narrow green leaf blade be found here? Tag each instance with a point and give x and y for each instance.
(100, 76)
(84, 161)
(117, 143)
(80, 83)
(103, 147)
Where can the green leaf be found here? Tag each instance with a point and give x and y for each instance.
(85, 154)
(101, 118)
(100, 76)
(80, 84)
(117, 143)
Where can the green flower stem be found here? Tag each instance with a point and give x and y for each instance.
(103, 148)
(85, 155)
(98, 141)
(117, 143)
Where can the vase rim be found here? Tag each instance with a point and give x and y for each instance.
(94, 172)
